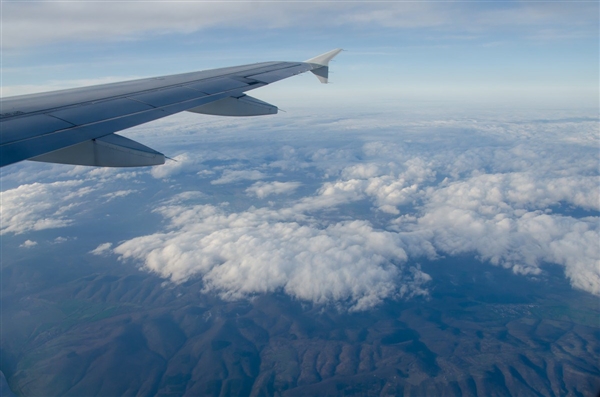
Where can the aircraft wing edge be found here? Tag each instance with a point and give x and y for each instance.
(54, 126)
(108, 151)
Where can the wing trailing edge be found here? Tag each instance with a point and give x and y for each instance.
(241, 106)
(77, 126)
(108, 151)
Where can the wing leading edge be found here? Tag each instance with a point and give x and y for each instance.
(77, 126)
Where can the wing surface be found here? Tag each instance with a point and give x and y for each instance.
(74, 126)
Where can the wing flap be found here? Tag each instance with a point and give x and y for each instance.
(39, 144)
(236, 106)
(109, 151)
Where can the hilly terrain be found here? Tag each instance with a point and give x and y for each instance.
(77, 329)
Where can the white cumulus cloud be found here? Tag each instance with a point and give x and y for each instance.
(39, 206)
(264, 189)
(119, 193)
(260, 251)
(28, 244)
(102, 249)
(231, 176)
(177, 165)
(386, 186)
(514, 194)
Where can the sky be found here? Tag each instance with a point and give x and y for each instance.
(449, 129)
(491, 52)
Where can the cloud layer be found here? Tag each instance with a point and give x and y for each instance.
(479, 215)
(40, 206)
(264, 189)
(343, 215)
(262, 251)
(27, 23)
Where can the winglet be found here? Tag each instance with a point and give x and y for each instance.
(321, 64)
(324, 59)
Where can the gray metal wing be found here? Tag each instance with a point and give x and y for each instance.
(76, 126)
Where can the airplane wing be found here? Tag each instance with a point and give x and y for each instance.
(78, 126)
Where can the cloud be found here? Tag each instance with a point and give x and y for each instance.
(181, 163)
(387, 186)
(40, 206)
(28, 244)
(40, 23)
(386, 193)
(476, 217)
(502, 191)
(231, 176)
(261, 251)
(102, 249)
(264, 189)
(191, 195)
(519, 190)
(119, 193)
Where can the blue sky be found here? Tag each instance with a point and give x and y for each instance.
(533, 53)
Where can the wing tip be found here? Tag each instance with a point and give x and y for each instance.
(321, 64)
(323, 59)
